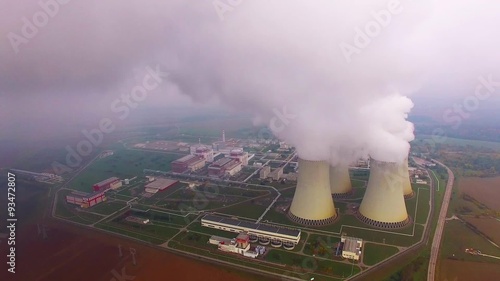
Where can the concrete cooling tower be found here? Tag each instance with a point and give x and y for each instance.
(383, 204)
(407, 190)
(340, 182)
(312, 202)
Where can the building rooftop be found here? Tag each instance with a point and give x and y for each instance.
(352, 244)
(106, 181)
(160, 182)
(251, 225)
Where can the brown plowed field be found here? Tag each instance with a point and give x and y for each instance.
(490, 227)
(452, 270)
(485, 190)
(74, 254)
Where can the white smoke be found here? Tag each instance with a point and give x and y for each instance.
(269, 57)
(266, 56)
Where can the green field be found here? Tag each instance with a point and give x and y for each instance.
(464, 142)
(310, 264)
(375, 253)
(122, 164)
(108, 207)
(457, 237)
(321, 245)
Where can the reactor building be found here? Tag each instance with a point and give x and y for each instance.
(312, 202)
(383, 204)
(340, 182)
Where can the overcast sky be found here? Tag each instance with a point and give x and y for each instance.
(66, 63)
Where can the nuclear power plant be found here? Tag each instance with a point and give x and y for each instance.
(383, 204)
(340, 182)
(312, 202)
(405, 177)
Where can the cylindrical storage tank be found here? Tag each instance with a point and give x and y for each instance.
(312, 202)
(383, 204)
(407, 190)
(340, 182)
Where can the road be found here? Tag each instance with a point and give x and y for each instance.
(436, 241)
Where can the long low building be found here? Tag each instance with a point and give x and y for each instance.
(264, 233)
(159, 184)
(85, 200)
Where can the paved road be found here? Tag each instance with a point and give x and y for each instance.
(436, 242)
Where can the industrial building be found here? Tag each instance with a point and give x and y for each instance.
(340, 182)
(351, 247)
(383, 204)
(240, 155)
(111, 183)
(203, 151)
(276, 174)
(188, 163)
(40, 177)
(264, 172)
(159, 184)
(312, 202)
(85, 200)
(224, 167)
(265, 234)
(239, 245)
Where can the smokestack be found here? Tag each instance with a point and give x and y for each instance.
(312, 202)
(340, 182)
(223, 136)
(405, 177)
(383, 204)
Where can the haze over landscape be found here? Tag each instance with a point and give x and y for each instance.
(337, 81)
(258, 57)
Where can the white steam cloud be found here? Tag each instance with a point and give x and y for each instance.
(264, 57)
(284, 61)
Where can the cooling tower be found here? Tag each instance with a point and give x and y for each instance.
(383, 204)
(340, 182)
(407, 190)
(312, 202)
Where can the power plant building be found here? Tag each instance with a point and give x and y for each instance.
(340, 182)
(188, 163)
(312, 202)
(351, 247)
(85, 200)
(240, 155)
(111, 183)
(203, 151)
(264, 172)
(224, 167)
(265, 234)
(383, 204)
(159, 184)
(276, 174)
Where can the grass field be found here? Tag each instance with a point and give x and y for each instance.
(107, 208)
(321, 245)
(464, 142)
(375, 253)
(322, 266)
(122, 164)
(485, 190)
(458, 237)
(246, 210)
